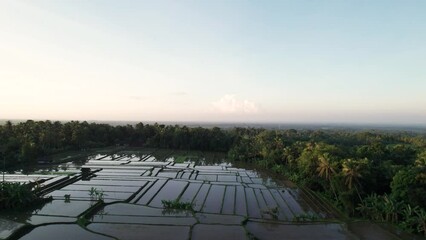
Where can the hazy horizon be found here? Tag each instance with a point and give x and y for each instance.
(260, 124)
(325, 62)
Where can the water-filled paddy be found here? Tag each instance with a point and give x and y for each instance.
(226, 201)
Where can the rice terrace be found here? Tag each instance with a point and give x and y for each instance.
(225, 201)
(164, 194)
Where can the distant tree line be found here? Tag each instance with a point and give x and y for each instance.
(26, 142)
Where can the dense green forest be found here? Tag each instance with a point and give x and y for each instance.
(370, 174)
(376, 175)
(26, 142)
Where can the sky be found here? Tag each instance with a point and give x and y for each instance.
(214, 61)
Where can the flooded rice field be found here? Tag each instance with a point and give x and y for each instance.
(123, 196)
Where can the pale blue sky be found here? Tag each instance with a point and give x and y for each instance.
(272, 61)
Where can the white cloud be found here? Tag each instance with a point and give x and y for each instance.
(231, 104)
(179, 93)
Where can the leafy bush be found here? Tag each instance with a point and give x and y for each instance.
(385, 208)
(14, 195)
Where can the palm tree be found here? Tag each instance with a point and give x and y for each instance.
(325, 169)
(352, 172)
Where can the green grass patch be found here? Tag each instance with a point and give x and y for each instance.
(186, 158)
(176, 204)
(82, 222)
(307, 217)
(180, 159)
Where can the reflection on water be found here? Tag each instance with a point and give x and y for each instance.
(134, 183)
(47, 166)
(118, 180)
(21, 215)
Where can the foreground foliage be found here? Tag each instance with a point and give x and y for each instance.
(16, 195)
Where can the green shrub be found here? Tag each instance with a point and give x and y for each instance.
(14, 195)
